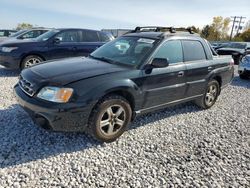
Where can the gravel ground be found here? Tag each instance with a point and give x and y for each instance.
(177, 147)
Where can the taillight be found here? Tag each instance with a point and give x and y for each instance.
(232, 62)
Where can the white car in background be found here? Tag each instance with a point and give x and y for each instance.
(244, 67)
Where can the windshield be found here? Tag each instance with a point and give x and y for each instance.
(47, 35)
(18, 33)
(125, 50)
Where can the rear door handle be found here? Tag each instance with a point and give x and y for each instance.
(74, 48)
(181, 73)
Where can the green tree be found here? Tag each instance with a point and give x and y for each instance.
(247, 26)
(219, 28)
(205, 31)
(245, 36)
(195, 29)
(24, 26)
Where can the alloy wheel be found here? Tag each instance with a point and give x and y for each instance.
(112, 121)
(31, 61)
(211, 95)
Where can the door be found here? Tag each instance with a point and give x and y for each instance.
(89, 42)
(198, 67)
(66, 45)
(165, 85)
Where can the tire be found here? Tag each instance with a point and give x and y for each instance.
(30, 60)
(236, 59)
(110, 118)
(210, 96)
(243, 76)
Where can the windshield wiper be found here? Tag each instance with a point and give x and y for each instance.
(103, 59)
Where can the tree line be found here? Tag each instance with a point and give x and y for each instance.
(218, 30)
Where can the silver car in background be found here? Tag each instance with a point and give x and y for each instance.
(244, 67)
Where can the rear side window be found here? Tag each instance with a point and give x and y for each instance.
(104, 37)
(171, 50)
(90, 36)
(193, 50)
(69, 36)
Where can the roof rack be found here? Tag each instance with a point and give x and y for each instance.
(161, 29)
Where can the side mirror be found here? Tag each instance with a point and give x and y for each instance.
(56, 40)
(159, 63)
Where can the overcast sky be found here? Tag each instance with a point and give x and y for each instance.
(98, 14)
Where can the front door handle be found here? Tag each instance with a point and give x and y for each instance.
(181, 74)
(74, 48)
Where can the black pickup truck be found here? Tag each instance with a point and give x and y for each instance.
(140, 72)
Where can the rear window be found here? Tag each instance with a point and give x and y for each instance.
(193, 50)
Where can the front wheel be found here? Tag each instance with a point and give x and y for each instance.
(30, 61)
(210, 96)
(110, 118)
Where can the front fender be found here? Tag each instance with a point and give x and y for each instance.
(91, 91)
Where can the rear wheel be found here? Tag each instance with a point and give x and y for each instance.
(30, 60)
(210, 96)
(243, 76)
(110, 118)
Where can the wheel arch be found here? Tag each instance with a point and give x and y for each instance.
(124, 91)
(218, 79)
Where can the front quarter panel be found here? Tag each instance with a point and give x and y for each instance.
(91, 90)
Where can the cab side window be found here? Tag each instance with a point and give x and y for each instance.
(170, 50)
(193, 50)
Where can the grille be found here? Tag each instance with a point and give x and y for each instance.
(26, 86)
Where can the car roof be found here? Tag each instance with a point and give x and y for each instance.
(8, 30)
(153, 35)
(61, 29)
(158, 35)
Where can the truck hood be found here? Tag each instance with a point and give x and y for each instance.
(65, 71)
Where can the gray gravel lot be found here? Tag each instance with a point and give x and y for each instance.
(177, 147)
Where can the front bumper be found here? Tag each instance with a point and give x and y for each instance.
(9, 61)
(56, 117)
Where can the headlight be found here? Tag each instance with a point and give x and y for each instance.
(55, 94)
(8, 49)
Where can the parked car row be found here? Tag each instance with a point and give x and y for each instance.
(101, 94)
(236, 49)
(5, 33)
(52, 44)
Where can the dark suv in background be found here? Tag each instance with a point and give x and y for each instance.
(54, 44)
